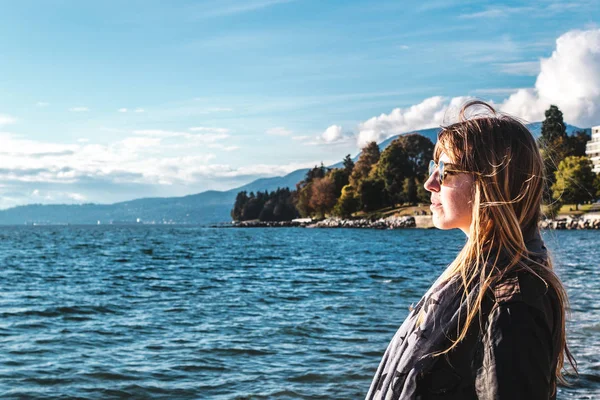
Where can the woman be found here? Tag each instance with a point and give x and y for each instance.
(493, 324)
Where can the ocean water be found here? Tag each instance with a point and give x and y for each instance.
(162, 312)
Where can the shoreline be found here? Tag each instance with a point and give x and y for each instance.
(406, 222)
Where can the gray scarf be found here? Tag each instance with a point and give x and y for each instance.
(410, 351)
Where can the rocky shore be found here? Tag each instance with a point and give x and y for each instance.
(394, 222)
(571, 223)
(382, 223)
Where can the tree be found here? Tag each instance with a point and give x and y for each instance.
(372, 194)
(574, 181)
(553, 127)
(240, 202)
(369, 156)
(577, 143)
(339, 177)
(348, 203)
(409, 190)
(253, 207)
(404, 161)
(393, 167)
(323, 196)
(303, 195)
(554, 145)
(316, 172)
(419, 150)
(266, 214)
(348, 165)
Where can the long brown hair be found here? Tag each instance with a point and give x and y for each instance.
(507, 197)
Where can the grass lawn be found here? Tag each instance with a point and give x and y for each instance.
(569, 209)
(389, 211)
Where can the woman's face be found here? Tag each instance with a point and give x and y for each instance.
(451, 203)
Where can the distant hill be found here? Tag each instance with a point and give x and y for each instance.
(203, 208)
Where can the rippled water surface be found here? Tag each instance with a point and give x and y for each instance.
(201, 313)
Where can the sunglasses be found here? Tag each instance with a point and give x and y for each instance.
(443, 170)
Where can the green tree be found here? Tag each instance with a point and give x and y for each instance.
(553, 127)
(348, 165)
(348, 203)
(240, 202)
(577, 143)
(303, 195)
(372, 194)
(253, 206)
(419, 150)
(404, 162)
(409, 190)
(393, 168)
(553, 143)
(339, 178)
(574, 181)
(368, 158)
(597, 186)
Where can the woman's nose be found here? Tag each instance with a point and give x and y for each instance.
(432, 183)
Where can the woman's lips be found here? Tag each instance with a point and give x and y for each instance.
(435, 205)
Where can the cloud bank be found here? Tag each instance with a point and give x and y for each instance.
(569, 78)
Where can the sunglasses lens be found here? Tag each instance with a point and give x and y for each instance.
(431, 167)
(441, 172)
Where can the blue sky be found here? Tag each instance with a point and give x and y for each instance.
(109, 101)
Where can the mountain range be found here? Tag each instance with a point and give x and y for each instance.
(209, 207)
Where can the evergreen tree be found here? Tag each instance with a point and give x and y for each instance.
(553, 143)
(348, 165)
(240, 202)
(553, 127)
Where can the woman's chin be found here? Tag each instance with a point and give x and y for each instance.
(439, 221)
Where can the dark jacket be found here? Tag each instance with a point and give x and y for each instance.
(510, 354)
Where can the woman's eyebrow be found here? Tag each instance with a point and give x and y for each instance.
(452, 165)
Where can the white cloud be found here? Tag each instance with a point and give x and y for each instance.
(223, 147)
(79, 109)
(332, 134)
(279, 131)
(212, 135)
(495, 91)
(139, 110)
(569, 78)
(209, 129)
(76, 196)
(429, 113)
(122, 110)
(83, 140)
(6, 119)
(527, 68)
